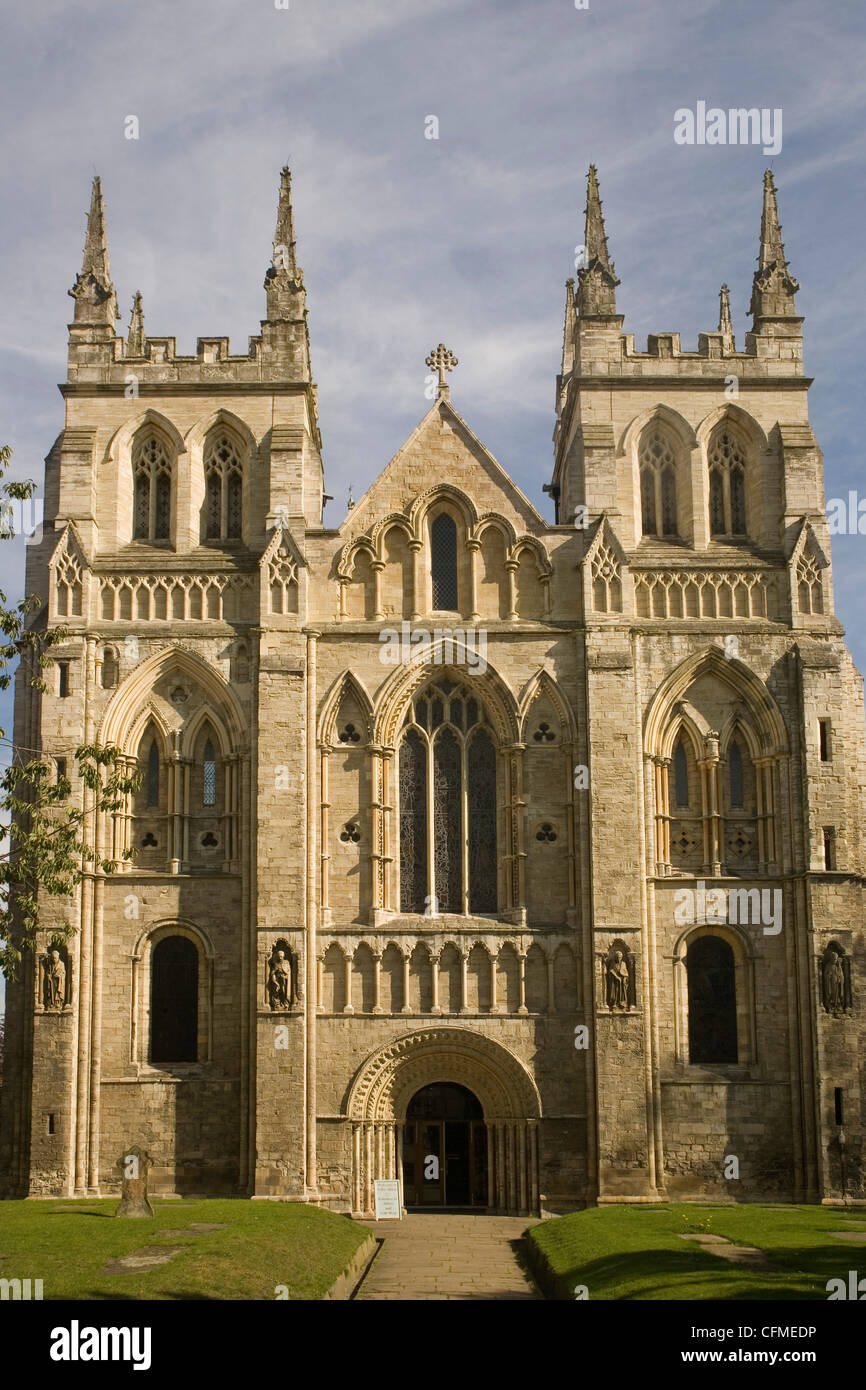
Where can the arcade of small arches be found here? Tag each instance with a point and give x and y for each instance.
(462, 976)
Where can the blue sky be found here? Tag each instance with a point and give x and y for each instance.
(406, 241)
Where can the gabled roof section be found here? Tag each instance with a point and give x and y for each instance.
(281, 537)
(69, 544)
(405, 475)
(805, 539)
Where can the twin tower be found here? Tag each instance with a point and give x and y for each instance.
(557, 901)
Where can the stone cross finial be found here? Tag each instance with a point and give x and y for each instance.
(442, 359)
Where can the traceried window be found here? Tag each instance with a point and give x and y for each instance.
(658, 486)
(224, 488)
(712, 1001)
(151, 471)
(443, 562)
(727, 460)
(447, 776)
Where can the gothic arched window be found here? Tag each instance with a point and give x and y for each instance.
(447, 774)
(727, 462)
(208, 795)
(151, 471)
(223, 488)
(712, 1001)
(735, 772)
(443, 562)
(153, 774)
(658, 485)
(174, 1001)
(109, 668)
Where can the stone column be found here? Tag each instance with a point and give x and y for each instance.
(377, 567)
(464, 982)
(356, 1169)
(533, 1166)
(491, 1165)
(551, 991)
(324, 855)
(415, 547)
(521, 957)
(377, 983)
(434, 969)
(348, 1007)
(474, 547)
(521, 1138)
(511, 582)
(406, 1009)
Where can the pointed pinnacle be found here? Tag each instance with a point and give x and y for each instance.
(594, 235)
(773, 285)
(568, 329)
(284, 236)
(771, 249)
(95, 260)
(725, 325)
(93, 292)
(135, 339)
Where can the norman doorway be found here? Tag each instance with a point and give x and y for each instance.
(445, 1149)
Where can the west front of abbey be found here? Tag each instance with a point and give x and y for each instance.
(520, 860)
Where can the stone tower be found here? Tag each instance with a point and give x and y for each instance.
(532, 849)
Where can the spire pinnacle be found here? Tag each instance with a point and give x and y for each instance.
(568, 330)
(284, 279)
(773, 287)
(725, 325)
(93, 292)
(596, 276)
(136, 338)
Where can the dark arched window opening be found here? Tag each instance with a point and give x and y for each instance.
(174, 1001)
(153, 775)
(443, 562)
(681, 776)
(712, 1001)
(209, 776)
(735, 770)
(738, 503)
(141, 507)
(162, 525)
(669, 503)
(214, 507)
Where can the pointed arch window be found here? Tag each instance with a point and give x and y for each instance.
(443, 562)
(658, 485)
(448, 832)
(727, 464)
(224, 473)
(152, 479)
(153, 774)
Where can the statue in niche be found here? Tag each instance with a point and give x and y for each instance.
(618, 980)
(54, 988)
(835, 980)
(281, 993)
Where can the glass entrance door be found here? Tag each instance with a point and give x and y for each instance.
(444, 1149)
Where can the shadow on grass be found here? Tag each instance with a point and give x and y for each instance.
(108, 1214)
(669, 1275)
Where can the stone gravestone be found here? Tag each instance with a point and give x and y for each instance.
(133, 1164)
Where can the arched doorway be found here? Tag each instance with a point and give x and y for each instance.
(460, 1078)
(444, 1148)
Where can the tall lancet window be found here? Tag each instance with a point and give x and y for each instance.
(223, 489)
(448, 831)
(209, 775)
(443, 562)
(153, 774)
(658, 485)
(151, 471)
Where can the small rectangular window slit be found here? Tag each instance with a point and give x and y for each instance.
(824, 745)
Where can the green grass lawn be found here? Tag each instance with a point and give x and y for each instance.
(261, 1244)
(636, 1252)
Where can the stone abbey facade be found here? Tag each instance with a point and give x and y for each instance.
(522, 860)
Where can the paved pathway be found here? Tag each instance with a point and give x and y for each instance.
(448, 1257)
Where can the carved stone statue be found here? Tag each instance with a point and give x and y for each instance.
(55, 980)
(280, 981)
(835, 981)
(618, 979)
